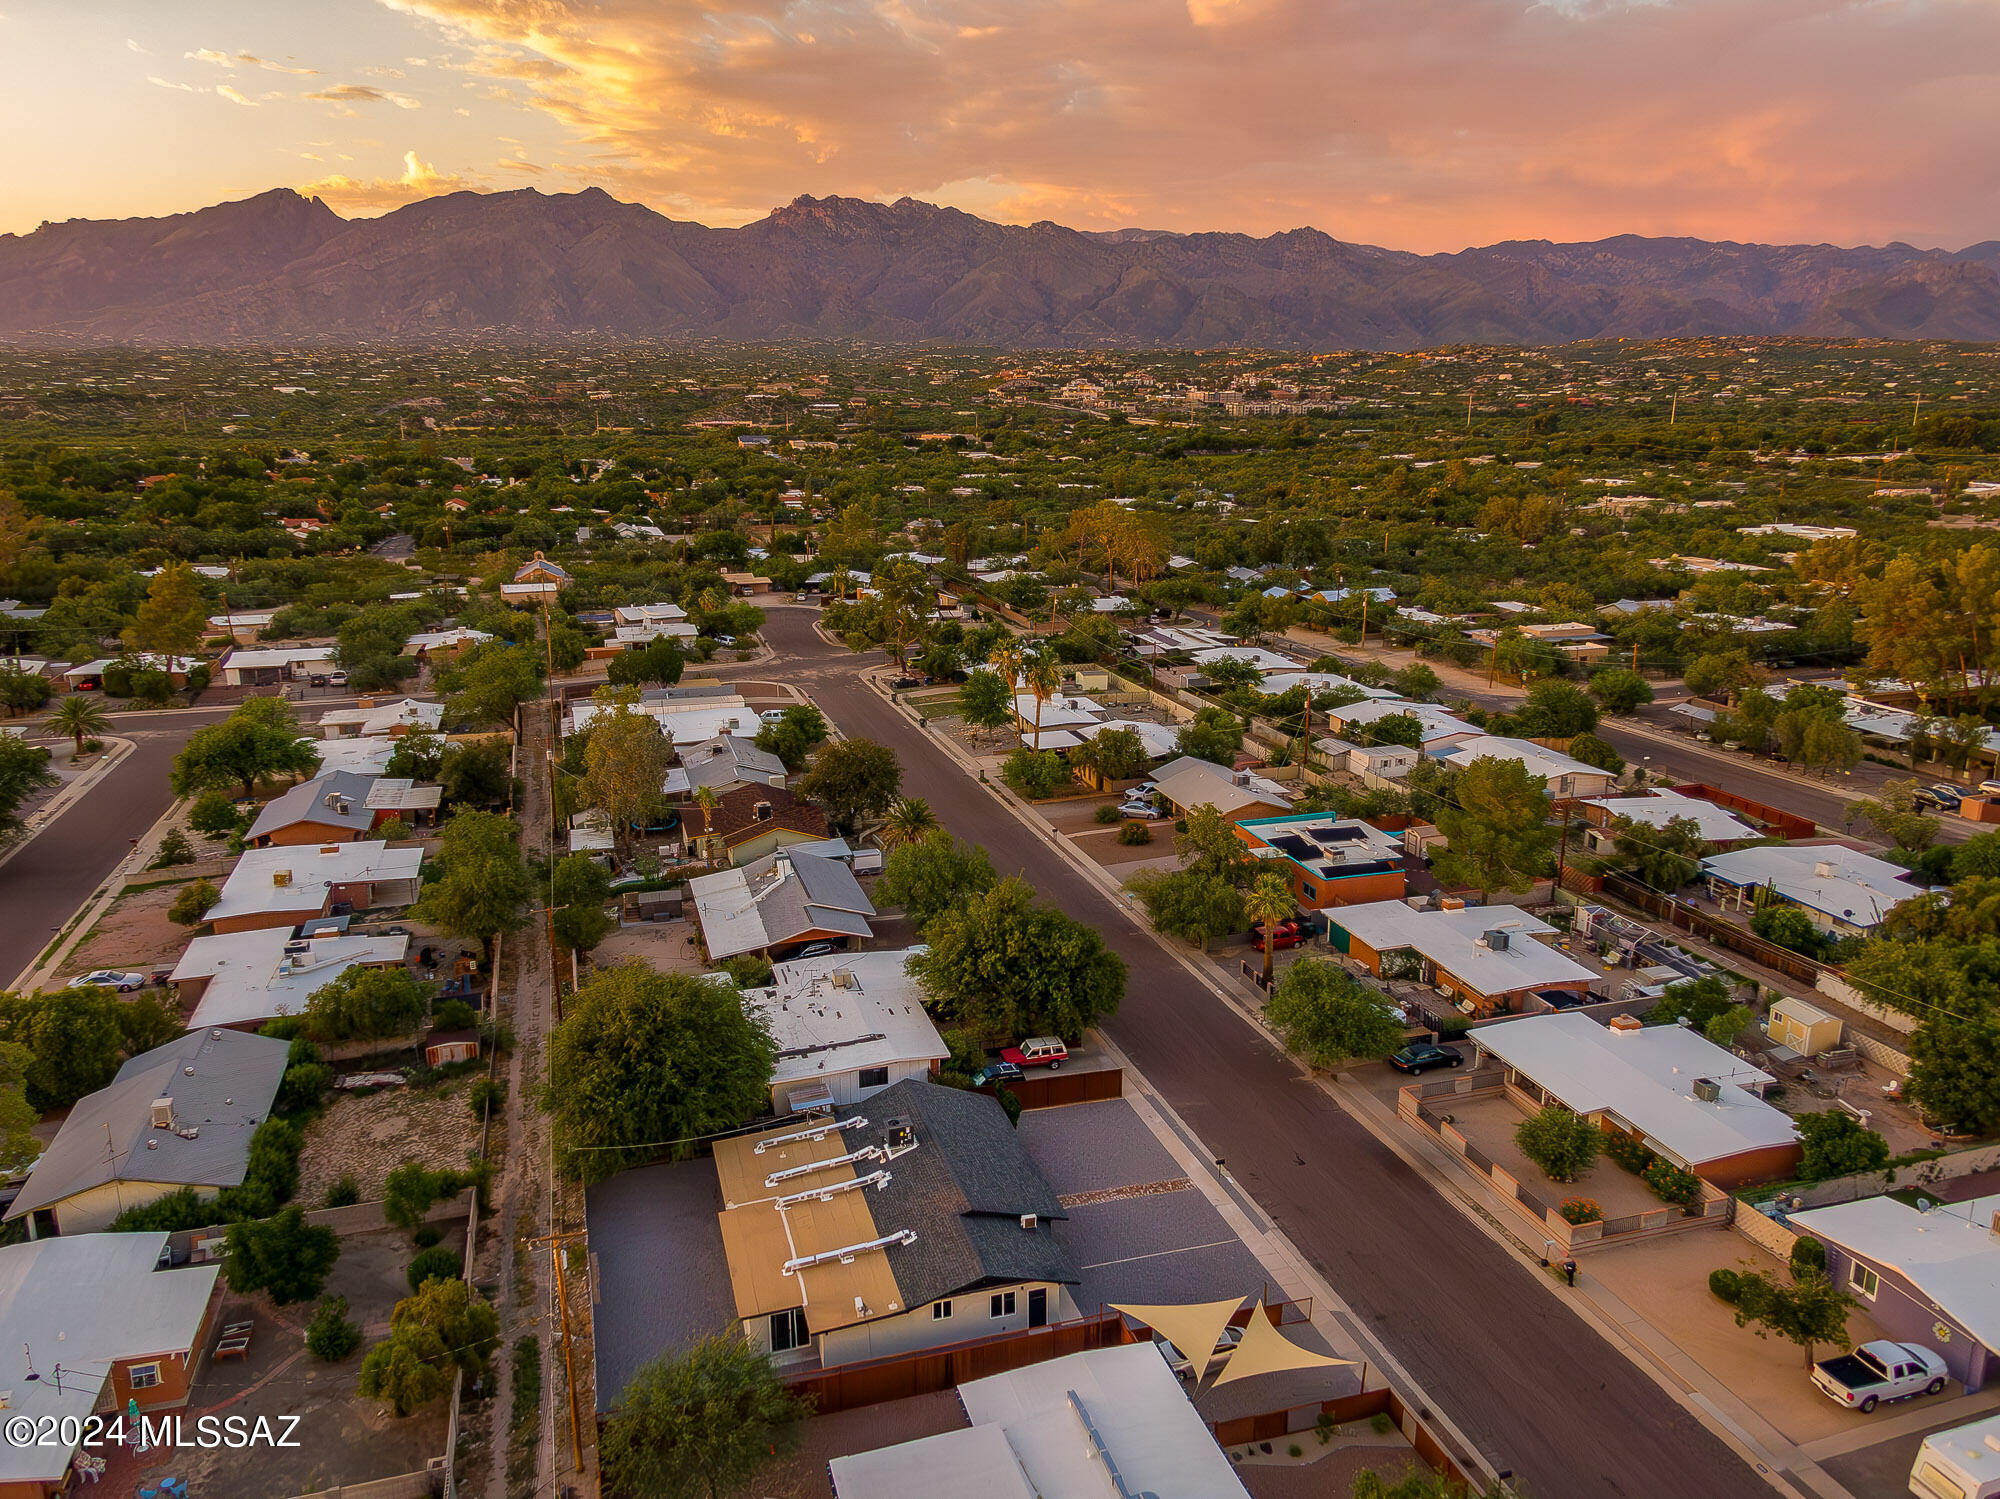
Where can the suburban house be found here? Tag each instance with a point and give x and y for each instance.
(1563, 775)
(1930, 1276)
(722, 763)
(1843, 890)
(331, 808)
(180, 1115)
(686, 715)
(372, 720)
(912, 1221)
(401, 798)
(663, 613)
(431, 644)
(745, 584)
(846, 1027)
(269, 666)
(782, 901)
(89, 677)
(1051, 1431)
(1656, 808)
(244, 978)
(750, 822)
(1485, 959)
(1439, 729)
(1687, 1099)
(1187, 783)
(538, 569)
(281, 887)
(126, 1332)
(1330, 861)
(243, 626)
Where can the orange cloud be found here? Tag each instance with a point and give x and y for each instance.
(419, 180)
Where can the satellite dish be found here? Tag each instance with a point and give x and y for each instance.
(1924, 1204)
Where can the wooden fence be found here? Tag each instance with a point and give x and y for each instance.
(1686, 918)
(1271, 1426)
(1052, 1090)
(873, 1381)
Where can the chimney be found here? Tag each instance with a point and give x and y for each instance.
(281, 878)
(1620, 1023)
(1029, 1221)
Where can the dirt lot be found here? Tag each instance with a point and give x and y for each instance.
(134, 933)
(372, 1134)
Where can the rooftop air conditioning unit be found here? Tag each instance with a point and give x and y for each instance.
(163, 1113)
(1707, 1089)
(281, 878)
(843, 978)
(898, 1135)
(1496, 940)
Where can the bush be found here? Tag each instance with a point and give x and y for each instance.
(284, 1255)
(453, 1015)
(1670, 1183)
(1835, 1143)
(344, 1193)
(1036, 776)
(426, 1236)
(410, 1191)
(304, 1084)
(1726, 1286)
(485, 1093)
(1628, 1151)
(1808, 1257)
(439, 1262)
(330, 1337)
(1107, 814)
(1135, 833)
(1581, 1210)
(174, 849)
(190, 907)
(1563, 1144)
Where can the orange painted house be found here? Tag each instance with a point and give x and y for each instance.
(1330, 861)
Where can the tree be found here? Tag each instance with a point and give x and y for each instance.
(1328, 1016)
(490, 680)
(24, 770)
(1563, 1144)
(1894, 815)
(432, 1334)
(1498, 835)
(1555, 710)
(657, 664)
(332, 1336)
(645, 1062)
(259, 741)
(852, 779)
(1268, 902)
(18, 1118)
(910, 818)
(700, 1426)
(474, 774)
(931, 874)
(73, 1038)
(191, 906)
(1697, 1001)
(1209, 845)
(20, 691)
(418, 755)
(1215, 735)
(1955, 1070)
(1720, 674)
(1115, 754)
(1619, 690)
(626, 760)
(1594, 749)
(1395, 728)
(1790, 928)
(986, 701)
(1192, 904)
(1007, 966)
(1810, 1311)
(794, 736)
(173, 617)
(76, 719)
(365, 1004)
(580, 889)
(282, 1254)
(146, 1022)
(1415, 682)
(439, 1262)
(1837, 1144)
(482, 883)
(1665, 857)
(1035, 774)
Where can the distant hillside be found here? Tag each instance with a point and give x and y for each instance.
(282, 268)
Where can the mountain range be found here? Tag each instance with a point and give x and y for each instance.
(282, 268)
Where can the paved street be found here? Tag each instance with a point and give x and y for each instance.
(1534, 1386)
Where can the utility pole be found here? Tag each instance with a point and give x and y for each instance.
(1635, 656)
(1674, 411)
(1468, 412)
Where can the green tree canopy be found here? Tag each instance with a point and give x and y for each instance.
(581, 887)
(1563, 1144)
(1328, 1017)
(260, 741)
(852, 779)
(365, 1004)
(700, 1426)
(1196, 905)
(1619, 690)
(439, 1330)
(1498, 836)
(931, 874)
(482, 883)
(24, 770)
(1215, 735)
(1006, 966)
(73, 1038)
(282, 1254)
(1837, 1144)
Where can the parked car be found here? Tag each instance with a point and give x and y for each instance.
(725, 640)
(1284, 934)
(336, 679)
(1037, 1051)
(903, 683)
(110, 978)
(1183, 1366)
(1424, 1056)
(997, 1073)
(1960, 1463)
(1880, 1371)
(1141, 811)
(772, 715)
(1989, 788)
(1944, 798)
(817, 950)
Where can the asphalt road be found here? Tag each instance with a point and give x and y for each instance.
(1533, 1385)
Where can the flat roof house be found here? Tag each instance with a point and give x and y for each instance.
(1563, 775)
(1694, 1102)
(1441, 729)
(180, 1115)
(124, 1330)
(846, 1027)
(1483, 958)
(912, 1221)
(332, 808)
(1930, 1277)
(1841, 889)
(246, 978)
(783, 900)
(282, 887)
(1188, 783)
(1656, 808)
(1330, 861)
(271, 665)
(1050, 1431)
(371, 720)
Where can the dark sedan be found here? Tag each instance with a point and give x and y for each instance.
(1415, 1059)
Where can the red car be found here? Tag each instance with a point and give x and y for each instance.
(1036, 1051)
(1284, 934)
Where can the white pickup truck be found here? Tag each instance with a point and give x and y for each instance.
(1880, 1371)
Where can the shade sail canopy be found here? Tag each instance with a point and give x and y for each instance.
(1194, 1328)
(1265, 1350)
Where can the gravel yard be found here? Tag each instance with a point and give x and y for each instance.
(372, 1134)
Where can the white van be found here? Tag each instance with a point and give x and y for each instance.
(1963, 1463)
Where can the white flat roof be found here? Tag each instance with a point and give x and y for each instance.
(974, 1462)
(1644, 1077)
(1437, 722)
(1257, 656)
(686, 722)
(252, 887)
(1837, 881)
(1549, 764)
(1453, 940)
(366, 755)
(251, 977)
(240, 660)
(822, 1024)
(1718, 825)
(1949, 1254)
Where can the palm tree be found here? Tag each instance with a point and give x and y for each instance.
(704, 798)
(909, 819)
(1041, 674)
(1005, 658)
(78, 719)
(1268, 903)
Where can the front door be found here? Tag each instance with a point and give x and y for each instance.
(1038, 1308)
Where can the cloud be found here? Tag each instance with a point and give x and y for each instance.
(180, 88)
(234, 97)
(209, 54)
(132, 46)
(362, 93)
(242, 60)
(419, 180)
(1429, 124)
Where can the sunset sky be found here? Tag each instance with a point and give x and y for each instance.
(1417, 124)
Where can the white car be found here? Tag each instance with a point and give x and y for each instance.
(108, 978)
(1142, 811)
(772, 715)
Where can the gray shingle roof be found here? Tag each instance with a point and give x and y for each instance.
(728, 759)
(222, 1084)
(320, 800)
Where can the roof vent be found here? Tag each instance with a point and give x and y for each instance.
(163, 1113)
(1825, 870)
(843, 978)
(763, 811)
(1708, 1090)
(1030, 1221)
(281, 878)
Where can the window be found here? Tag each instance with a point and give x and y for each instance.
(789, 1331)
(1864, 1280)
(874, 1077)
(940, 1310)
(1003, 1304)
(143, 1376)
